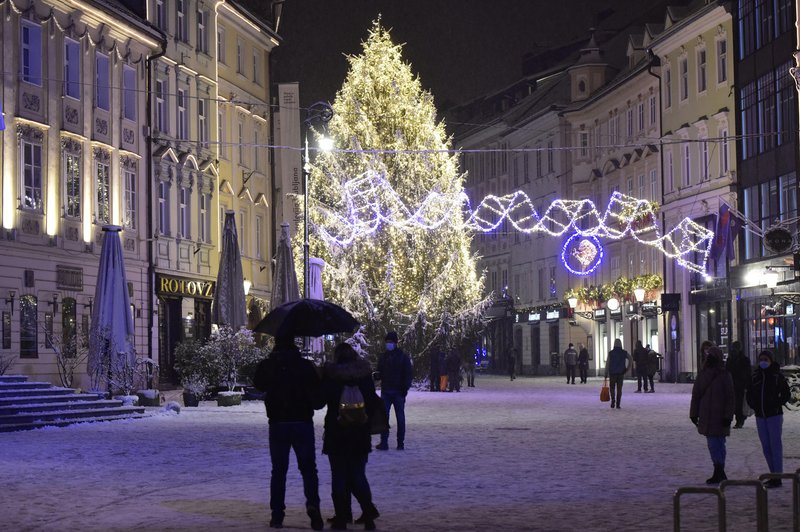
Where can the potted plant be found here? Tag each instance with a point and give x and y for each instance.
(194, 370)
(229, 352)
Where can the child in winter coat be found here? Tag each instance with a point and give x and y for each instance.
(767, 393)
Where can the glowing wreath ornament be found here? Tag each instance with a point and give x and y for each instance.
(588, 253)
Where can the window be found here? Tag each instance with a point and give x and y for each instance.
(32, 176)
(223, 149)
(701, 70)
(239, 57)
(161, 15)
(784, 16)
(766, 203)
(724, 153)
(766, 112)
(102, 88)
(183, 212)
(684, 80)
(704, 162)
(747, 28)
(670, 172)
(667, 88)
(765, 32)
(652, 110)
(31, 53)
(630, 186)
(641, 116)
(182, 24)
(202, 31)
(28, 327)
(241, 143)
(722, 61)
(72, 185)
(204, 220)
(72, 69)
(130, 199)
(163, 208)
(785, 98)
(129, 92)
(553, 290)
(584, 143)
(538, 162)
(687, 164)
(653, 185)
(221, 45)
(256, 150)
(629, 116)
(259, 233)
(550, 155)
(6, 330)
(642, 186)
(202, 126)
(748, 98)
(182, 125)
(242, 234)
(161, 109)
(103, 193)
(256, 66)
(541, 284)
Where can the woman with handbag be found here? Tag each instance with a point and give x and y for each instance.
(347, 439)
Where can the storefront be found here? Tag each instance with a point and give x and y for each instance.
(184, 313)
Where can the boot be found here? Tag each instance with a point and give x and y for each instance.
(719, 474)
(368, 515)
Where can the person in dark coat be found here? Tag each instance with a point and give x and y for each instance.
(454, 372)
(738, 365)
(767, 393)
(583, 363)
(348, 447)
(435, 369)
(640, 359)
(512, 363)
(395, 373)
(571, 362)
(617, 365)
(442, 371)
(292, 391)
(470, 370)
(711, 409)
(651, 367)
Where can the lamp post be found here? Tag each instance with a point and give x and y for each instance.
(323, 112)
(639, 294)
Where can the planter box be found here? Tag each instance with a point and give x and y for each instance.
(149, 398)
(229, 400)
(190, 399)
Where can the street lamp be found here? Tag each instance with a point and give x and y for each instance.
(639, 294)
(613, 304)
(323, 112)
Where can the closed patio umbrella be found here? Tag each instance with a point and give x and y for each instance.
(229, 307)
(284, 277)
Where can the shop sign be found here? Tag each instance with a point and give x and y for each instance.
(778, 239)
(600, 314)
(553, 315)
(177, 286)
(534, 316)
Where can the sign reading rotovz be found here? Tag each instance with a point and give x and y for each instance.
(177, 286)
(778, 239)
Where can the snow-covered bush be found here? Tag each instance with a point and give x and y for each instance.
(6, 361)
(229, 353)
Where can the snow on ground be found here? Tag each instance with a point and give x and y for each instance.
(532, 454)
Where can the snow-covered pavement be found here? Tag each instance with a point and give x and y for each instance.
(532, 454)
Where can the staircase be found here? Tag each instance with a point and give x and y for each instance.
(31, 405)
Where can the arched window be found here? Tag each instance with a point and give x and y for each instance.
(69, 326)
(29, 327)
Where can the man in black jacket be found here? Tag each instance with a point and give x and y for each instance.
(395, 373)
(292, 391)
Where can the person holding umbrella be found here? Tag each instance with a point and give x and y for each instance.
(292, 391)
(395, 373)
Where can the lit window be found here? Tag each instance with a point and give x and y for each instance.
(130, 199)
(72, 185)
(103, 193)
(32, 176)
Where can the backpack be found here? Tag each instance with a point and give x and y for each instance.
(352, 410)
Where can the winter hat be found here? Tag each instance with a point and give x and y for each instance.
(391, 336)
(767, 354)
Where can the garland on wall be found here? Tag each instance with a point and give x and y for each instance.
(622, 289)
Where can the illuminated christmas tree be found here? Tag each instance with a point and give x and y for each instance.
(409, 268)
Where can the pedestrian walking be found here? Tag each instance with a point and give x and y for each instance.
(348, 443)
(640, 359)
(512, 363)
(767, 393)
(435, 368)
(571, 362)
(454, 372)
(292, 391)
(395, 373)
(712, 407)
(618, 363)
(583, 363)
(738, 365)
(652, 367)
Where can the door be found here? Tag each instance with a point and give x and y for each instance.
(536, 349)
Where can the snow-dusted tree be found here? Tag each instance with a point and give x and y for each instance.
(386, 207)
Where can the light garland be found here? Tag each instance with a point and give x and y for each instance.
(371, 202)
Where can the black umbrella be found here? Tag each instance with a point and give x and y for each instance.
(307, 317)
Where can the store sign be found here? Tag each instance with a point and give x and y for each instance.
(599, 314)
(534, 316)
(778, 240)
(553, 315)
(68, 278)
(176, 286)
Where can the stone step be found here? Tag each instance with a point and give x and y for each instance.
(65, 422)
(36, 391)
(51, 398)
(57, 406)
(13, 378)
(25, 385)
(74, 416)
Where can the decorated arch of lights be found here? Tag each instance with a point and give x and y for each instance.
(371, 202)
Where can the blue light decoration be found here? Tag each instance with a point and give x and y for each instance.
(588, 253)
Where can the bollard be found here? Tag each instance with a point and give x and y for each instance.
(676, 505)
(762, 514)
(795, 478)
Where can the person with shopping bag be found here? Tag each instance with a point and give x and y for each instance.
(617, 365)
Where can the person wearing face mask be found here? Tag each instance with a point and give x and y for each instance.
(767, 393)
(395, 373)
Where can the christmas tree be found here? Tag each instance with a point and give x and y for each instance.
(386, 208)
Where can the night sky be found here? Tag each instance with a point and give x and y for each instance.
(461, 49)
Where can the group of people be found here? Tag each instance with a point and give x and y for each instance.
(446, 371)
(719, 395)
(577, 359)
(293, 390)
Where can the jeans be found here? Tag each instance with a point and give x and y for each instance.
(396, 399)
(615, 385)
(348, 476)
(282, 438)
(770, 430)
(571, 373)
(716, 448)
(584, 371)
(641, 375)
